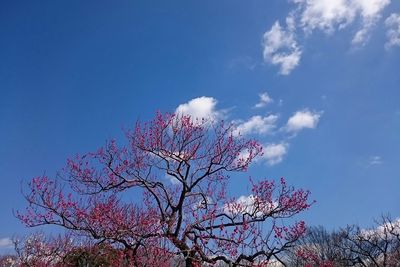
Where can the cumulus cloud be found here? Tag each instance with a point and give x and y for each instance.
(265, 99)
(200, 107)
(325, 15)
(280, 47)
(393, 32)
(274, 153)
(330, 15)
(6, 242)
(303, 119)
(257, 125)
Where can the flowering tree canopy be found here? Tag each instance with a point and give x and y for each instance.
(181, 167)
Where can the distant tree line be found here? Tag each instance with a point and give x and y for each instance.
(349, 246)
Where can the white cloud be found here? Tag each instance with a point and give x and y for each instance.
(392, 227)
(375, 160)
(330, 15)
(325, 15)
(249, 204)
(200, 107)
(280, 46)
(274, 153)
(361, 36)
(6, 242)
(393, 32)
(303, 119)
(265, 99)
(244, 204)
(370, 11)
(257, 125)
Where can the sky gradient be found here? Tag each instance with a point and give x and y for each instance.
(316, 82)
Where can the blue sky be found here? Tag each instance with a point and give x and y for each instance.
(325, 76)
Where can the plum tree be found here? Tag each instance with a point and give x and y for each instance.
(180, 167)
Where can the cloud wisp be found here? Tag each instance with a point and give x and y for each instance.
(265, 99)
(6, 242)
(392, 24)
(375, 160)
